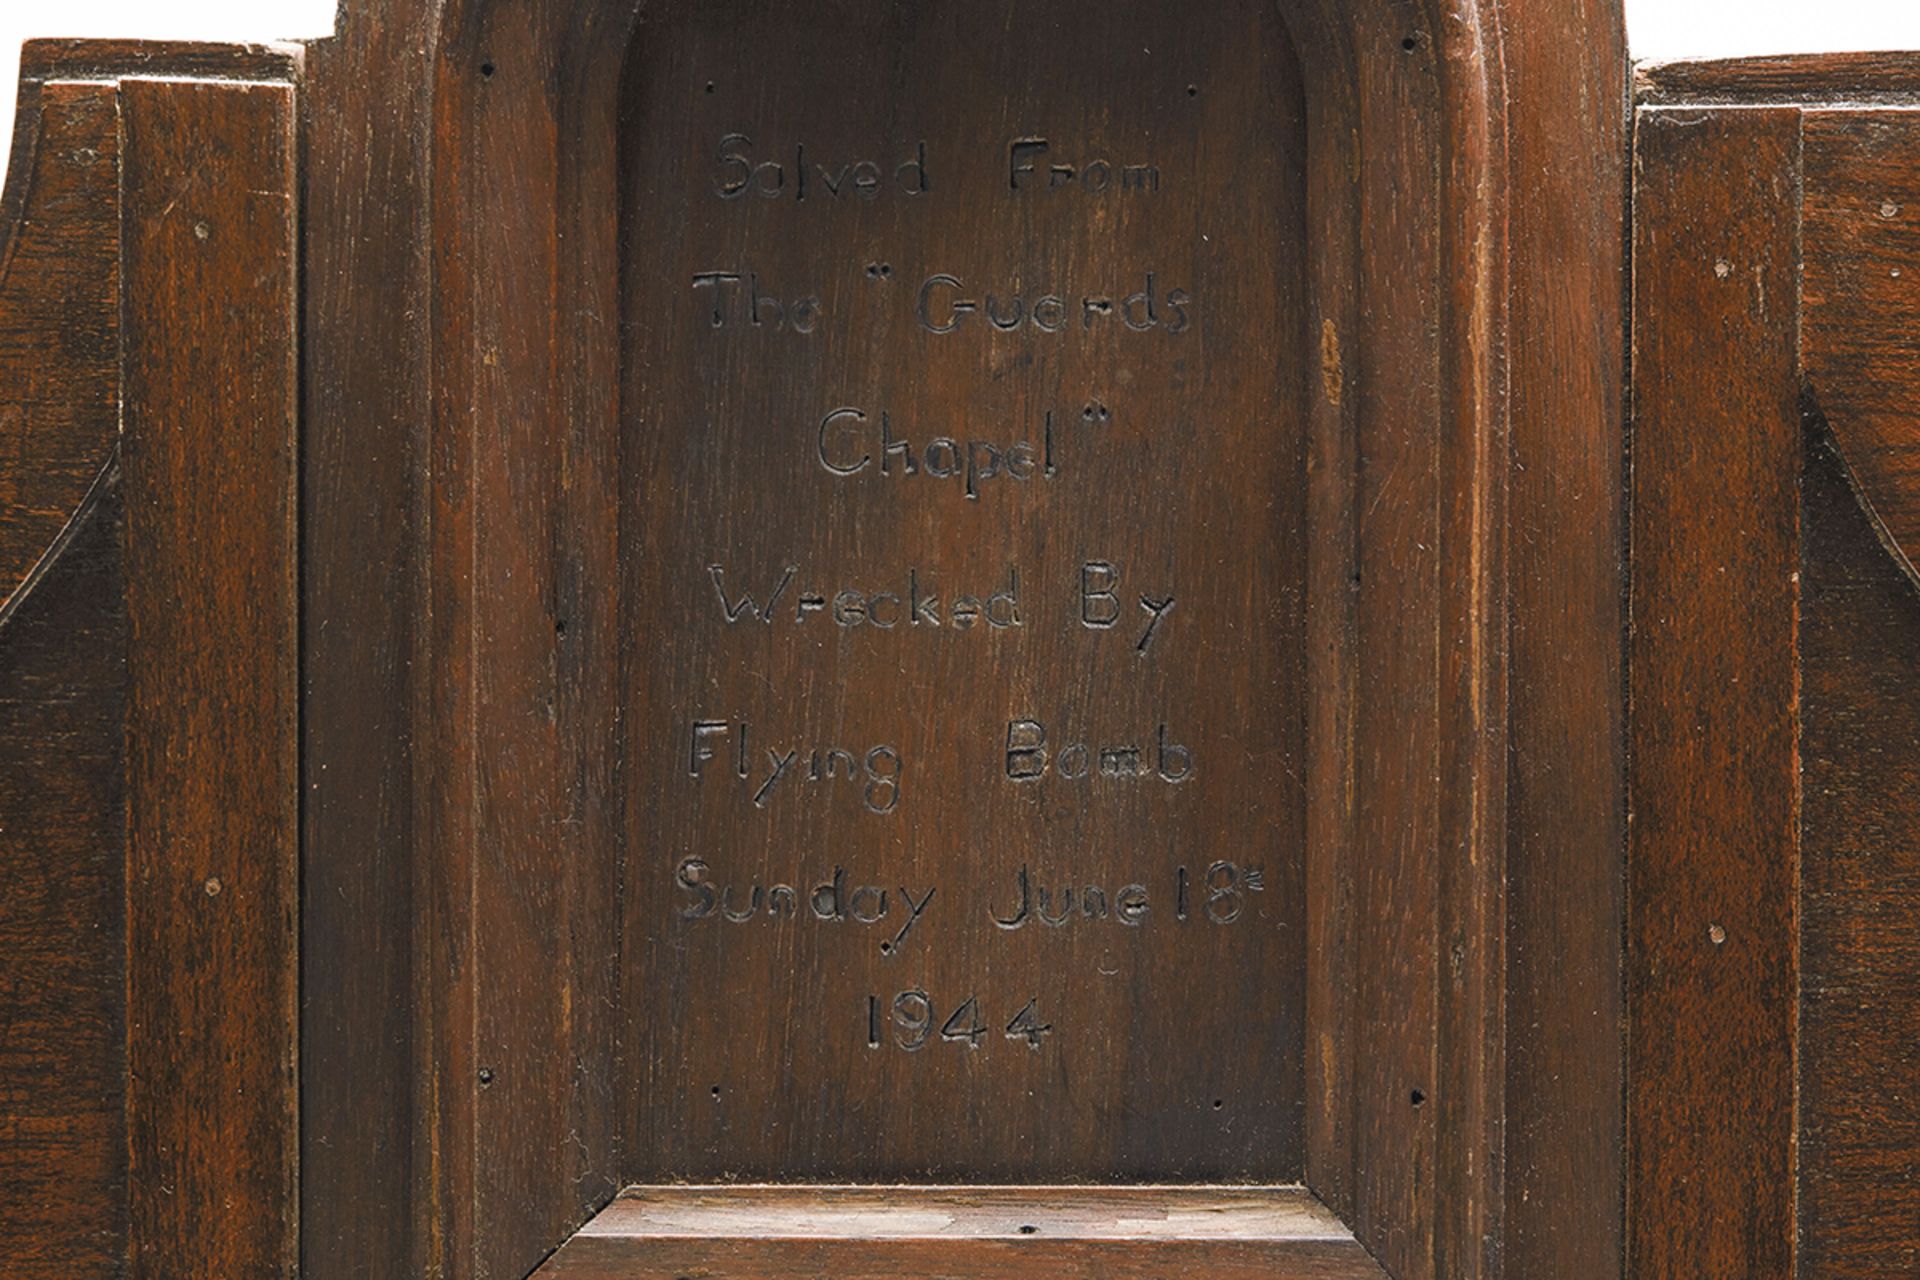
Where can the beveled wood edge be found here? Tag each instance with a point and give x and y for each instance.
(103, 483)
(967, 1232)
(913, 1212)
(1827, 78)
(42, 61)
(148, 59)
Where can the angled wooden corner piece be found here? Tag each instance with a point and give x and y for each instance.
(148, 662)
(1775, 1025)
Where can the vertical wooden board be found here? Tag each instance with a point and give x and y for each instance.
(209, 265)
(366, 1046)
(1713, 791)
(1146, 341)
(1398, 529)
(1565, 1017)
(1859, 1175)
(1859, 1184)
(63, 1187)
(525, 582)
(62, 694)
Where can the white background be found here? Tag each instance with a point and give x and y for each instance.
(1657, 29)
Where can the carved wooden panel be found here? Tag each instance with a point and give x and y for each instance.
(964, 530)
(1001, 596)
(628, 703)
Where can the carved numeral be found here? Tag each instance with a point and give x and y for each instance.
(914, 1016)
(912, 1020)
(1027, 1024)
(964, 1024)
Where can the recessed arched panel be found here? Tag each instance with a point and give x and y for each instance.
(973, 455)
(966, 374)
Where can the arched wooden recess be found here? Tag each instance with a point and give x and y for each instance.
(471, 603)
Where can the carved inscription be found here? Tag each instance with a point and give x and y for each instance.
(966, 556)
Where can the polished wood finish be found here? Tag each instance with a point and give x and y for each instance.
(1714, 794)
(469, 778)
(1557, 1121)
(62, 692)
(150, 259)
(209, 452)
(1389, 465)
(1862, 209)
(1773, 732)
(1859, 1019)
(369, 1064)
(972, 1232)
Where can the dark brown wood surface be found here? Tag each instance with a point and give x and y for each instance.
(473, 845)
(1862, 234)
(112, 754)
(209, 262)
(1713, 795)
(370, 1063)
(62, 692)
(1816, 1181)
(1557, 1129)
(1859, 1017)
(1815, 80)
(59, 414)
(62, 985)
(1029, 687)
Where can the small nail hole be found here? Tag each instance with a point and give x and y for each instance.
(1410, 43)
(1418, 1097)
(710, 86)
(486, 1076)
(1219, 1104)
(1193, 91)
(716, 1093)
(1028, 1229)
(487, 69)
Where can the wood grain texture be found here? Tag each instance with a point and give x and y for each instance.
(1859, 1020)
(62, 974)
(522, 804)
(1819, 79)
(1563, 1129)
(965, 1232)
(606, 1259)
(1862, 303)
(1713, 694)
(967, 1213)
(1165, 459)
(370, 1179)
(60, 287)
(469, 779)
(209, 261)
(63, 1210)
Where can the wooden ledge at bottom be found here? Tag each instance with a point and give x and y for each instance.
(963, 1233)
